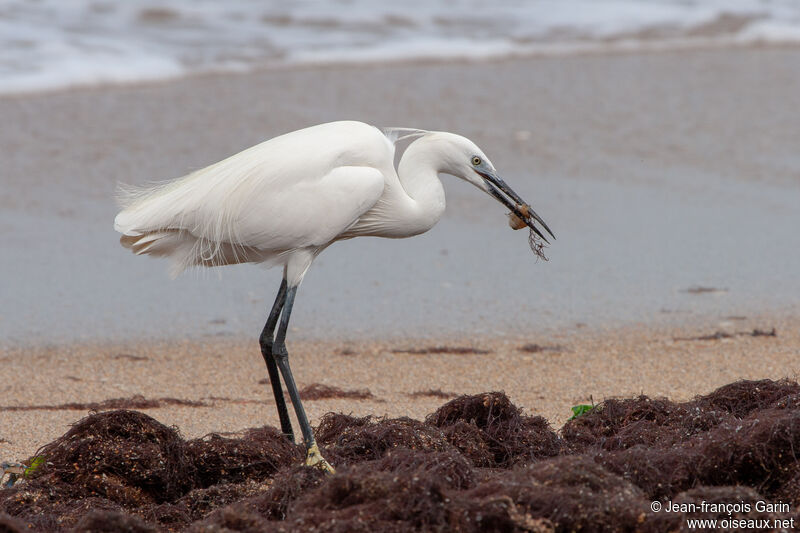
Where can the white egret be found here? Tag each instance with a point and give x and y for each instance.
(287, 199)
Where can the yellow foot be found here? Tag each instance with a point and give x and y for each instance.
(314, 458)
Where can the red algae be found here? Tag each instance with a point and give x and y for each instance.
(477, 463)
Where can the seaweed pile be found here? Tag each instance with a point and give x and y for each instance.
(476, 464)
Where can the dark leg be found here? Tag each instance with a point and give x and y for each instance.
(313, 457)
(266, 351)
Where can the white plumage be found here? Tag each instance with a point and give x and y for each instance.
(287, 199)
(294, 195)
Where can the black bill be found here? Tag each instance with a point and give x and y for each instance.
(496, 185)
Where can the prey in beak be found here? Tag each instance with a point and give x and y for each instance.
(524, 213)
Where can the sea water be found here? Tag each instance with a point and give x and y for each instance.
(50, 44)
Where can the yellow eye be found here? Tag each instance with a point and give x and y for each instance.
(476, 160)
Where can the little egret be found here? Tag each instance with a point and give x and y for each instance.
(284, 201)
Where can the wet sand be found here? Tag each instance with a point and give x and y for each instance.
(658, 173)
(573, 367)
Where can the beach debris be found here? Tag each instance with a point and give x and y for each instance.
(475, 464)
(9, 524)
(12, 470)
(131, 357)
(133, 402)
(718, 335)
(536, 348)
(580, 410)
(763, 333)
(703, 290)
(256, 455)
(15, 471)
(742, 398)
(433, 393)
(318, 391)
(273, 504)
(459, 350)
(112, 520)
(236, 401)
(34, 464)
(349, 439)
(492, 431)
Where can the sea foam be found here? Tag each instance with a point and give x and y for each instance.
(51, 44)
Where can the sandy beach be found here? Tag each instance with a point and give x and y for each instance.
(544, 374)
(671, 182)
(658, 173)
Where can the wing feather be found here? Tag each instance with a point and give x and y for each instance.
(396, 135)
(302, 189)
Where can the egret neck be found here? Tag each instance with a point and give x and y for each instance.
(418, 172)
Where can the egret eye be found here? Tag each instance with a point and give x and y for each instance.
(476, 160)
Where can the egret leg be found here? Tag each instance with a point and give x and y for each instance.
(266, 343)
(281, 355)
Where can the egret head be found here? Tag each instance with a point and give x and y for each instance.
(463, 159)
